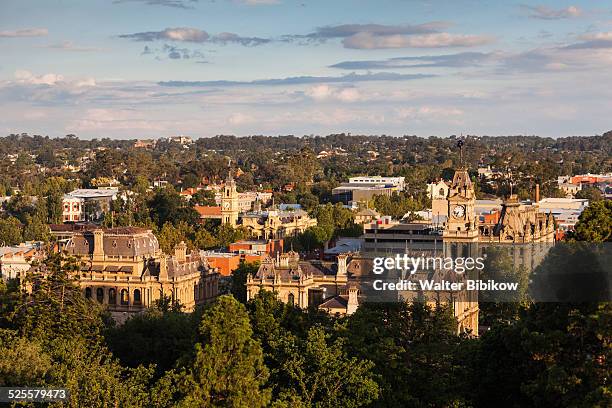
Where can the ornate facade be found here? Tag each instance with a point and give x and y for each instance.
(306, 283)
(465, 236)
(269, 224)
(125, 269)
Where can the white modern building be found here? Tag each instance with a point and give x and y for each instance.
(565, 210)
(84, 203)
(398, 182)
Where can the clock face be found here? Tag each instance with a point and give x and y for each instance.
(226, 205)
(459, 211)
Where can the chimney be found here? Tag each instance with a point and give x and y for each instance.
(98, 249)
(342, 264)
(163, 268)
(537, 193)
(284, 261)
(353, 303)
(180, 251)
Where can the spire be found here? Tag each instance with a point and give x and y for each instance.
(460, 144)
(229, 171)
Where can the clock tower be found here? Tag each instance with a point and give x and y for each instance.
(229, 202)
(461, 225)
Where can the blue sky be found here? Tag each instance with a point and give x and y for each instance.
(154, 68)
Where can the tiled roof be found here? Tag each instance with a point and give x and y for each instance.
(208, 210)
(336, 302)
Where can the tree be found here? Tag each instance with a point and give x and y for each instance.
(590, 193)
(153, 338)
(419, 360)
(321, 374)
(562, 352)
(55, 208)
(170, 236)
(167, 205)
(35, 229)
(308, 201)
(595, 223)
(204, 197)
(190, 180)
(228, 367)
(52, 336)
(226, 234)
(397, 205)
(314, 237)
(203, 239)
(10, 231)
(239, 278)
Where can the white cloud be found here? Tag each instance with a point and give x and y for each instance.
(26, 32)
(71, 46)
(187, 34)
(427, 112)
(367, 40)
(26, 77)
(547, 13)
(603, 36)
(239, 118)
(325, 92)
(114, 119)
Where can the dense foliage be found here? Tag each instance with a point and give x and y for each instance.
(234, 353)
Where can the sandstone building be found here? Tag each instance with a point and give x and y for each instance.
(268, 224)
(125, 269)
(305, 283)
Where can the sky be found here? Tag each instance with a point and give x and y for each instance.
(156, 68)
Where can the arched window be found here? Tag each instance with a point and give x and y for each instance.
(88, 293)
(112, 296)
(100, 295)
(441, 192)
(291, 299)
(137, 299)
(125, 297)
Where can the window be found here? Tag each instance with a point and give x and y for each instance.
(137, 300)
(125, 297)
(441, 192)
(291, 299)
(112, 296)
(88, 293)
(100, 295)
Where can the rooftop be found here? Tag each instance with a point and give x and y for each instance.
(94, 192)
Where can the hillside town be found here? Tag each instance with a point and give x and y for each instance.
(182, 230)
(291, 204)
(138, 234)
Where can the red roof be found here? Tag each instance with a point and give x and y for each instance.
(189, 191)
(207, 211)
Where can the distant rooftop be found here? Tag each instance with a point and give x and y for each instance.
(94, 192)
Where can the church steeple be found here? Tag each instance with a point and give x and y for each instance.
(229, 202)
